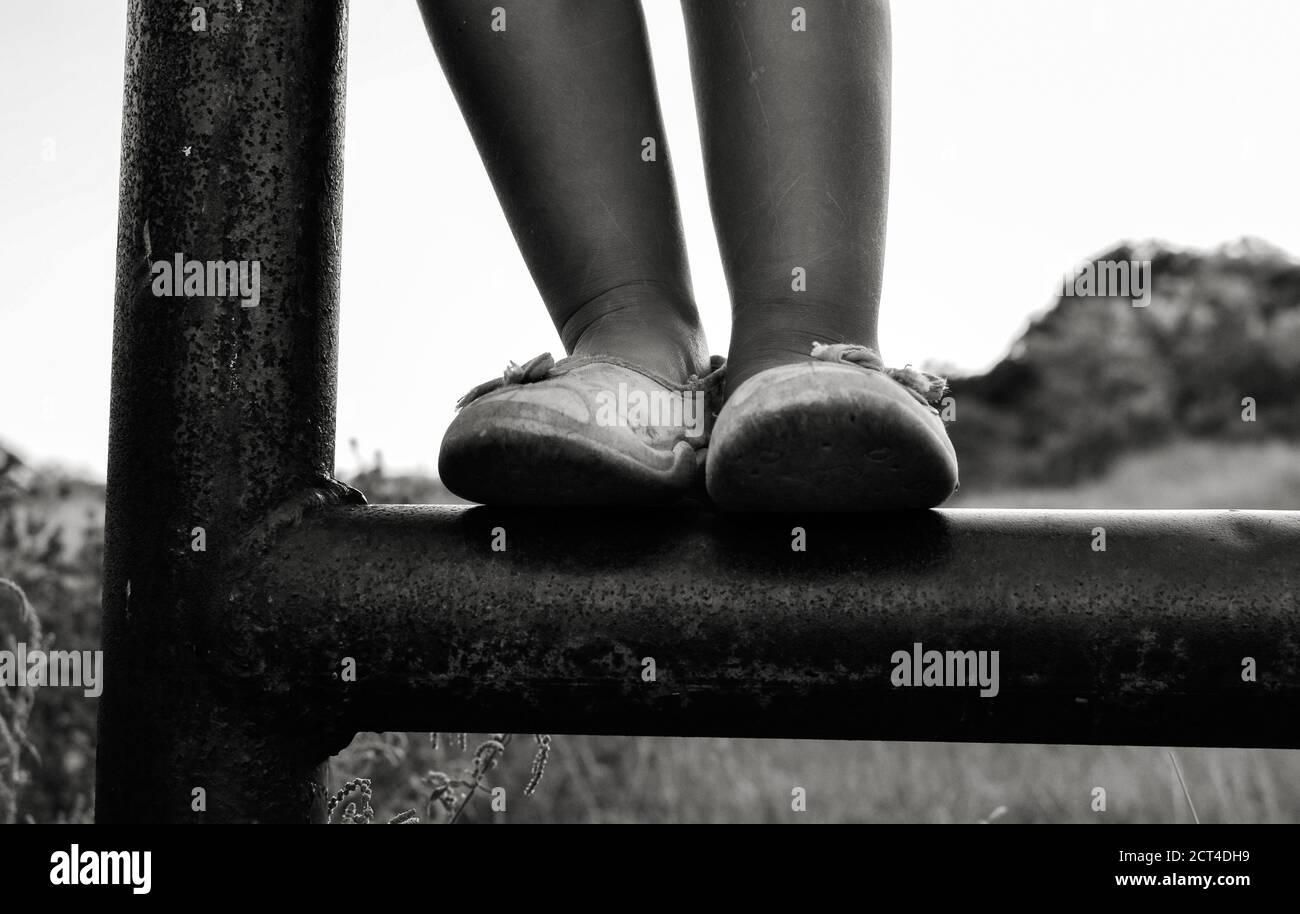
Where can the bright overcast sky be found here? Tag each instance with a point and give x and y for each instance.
(1027, 134)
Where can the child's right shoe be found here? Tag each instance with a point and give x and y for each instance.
(842, 433)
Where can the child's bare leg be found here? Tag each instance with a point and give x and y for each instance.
(796, 136)
(560, 103)
(794, 109)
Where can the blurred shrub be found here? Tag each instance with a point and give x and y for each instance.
(57, 564)
(1095, 378)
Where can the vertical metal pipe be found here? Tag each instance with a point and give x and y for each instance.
(222, 400)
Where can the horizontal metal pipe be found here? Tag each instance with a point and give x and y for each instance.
(406, 618)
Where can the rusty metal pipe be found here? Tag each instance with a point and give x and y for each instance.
(231, 151)
(1141, 644)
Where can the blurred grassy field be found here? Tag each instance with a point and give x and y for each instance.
(1193, 474)
(612, 779)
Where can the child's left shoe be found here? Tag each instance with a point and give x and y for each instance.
(841, 433)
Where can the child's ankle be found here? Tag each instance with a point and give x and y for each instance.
(644, 326)
(755, 349)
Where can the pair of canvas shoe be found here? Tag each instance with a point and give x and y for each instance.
(838, 433)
